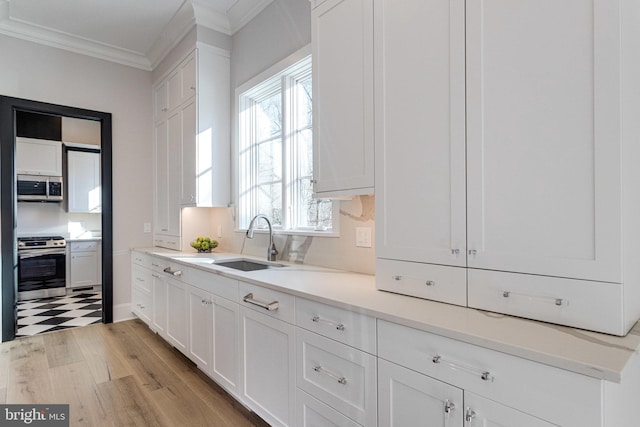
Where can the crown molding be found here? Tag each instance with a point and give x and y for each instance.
(210, 18)
(244, 11)
(175, 30)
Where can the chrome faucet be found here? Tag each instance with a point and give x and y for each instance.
(271, 250)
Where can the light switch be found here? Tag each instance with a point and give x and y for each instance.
(147, 227)
(363, 237)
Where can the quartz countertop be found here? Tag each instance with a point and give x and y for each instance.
(589, 353)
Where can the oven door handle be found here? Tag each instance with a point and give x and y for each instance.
(40, 252)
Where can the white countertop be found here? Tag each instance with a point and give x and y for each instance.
(589, 353)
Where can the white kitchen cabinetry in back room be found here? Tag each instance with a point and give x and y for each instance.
(192, 140)
(38, 157)
(532, 214)
(84, 264)
(83, 182)
(342, 44)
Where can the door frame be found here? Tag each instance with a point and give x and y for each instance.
(8, 249)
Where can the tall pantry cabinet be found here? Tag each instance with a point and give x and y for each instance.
(506, 155)
(192, 140)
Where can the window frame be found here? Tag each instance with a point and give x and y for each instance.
(271, 77)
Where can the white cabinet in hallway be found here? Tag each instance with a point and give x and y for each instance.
(38, 157)
(84, 193)
(84, 264)
(499, 133)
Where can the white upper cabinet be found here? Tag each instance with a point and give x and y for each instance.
(502, 147)
(342, 44)
(83, 182)
(420, 131)
(38, 157)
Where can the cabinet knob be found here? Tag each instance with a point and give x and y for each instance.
(472, 252)
(469, 415)
(430, 283)
(449, 406)
(455, 251)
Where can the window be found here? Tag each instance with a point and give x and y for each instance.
(275, 153)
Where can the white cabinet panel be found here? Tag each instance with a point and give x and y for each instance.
(407, 398)
(83, 182)
(226, 347)
(342, 40)
(159, 316)
(268, 367)
(544, 138)
(38, 157)
(84, 264)
(420, 131)
(313, 413)
(200, 328)
(178, 315)
(483, 412)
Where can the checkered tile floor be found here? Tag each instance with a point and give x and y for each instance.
(54, 314)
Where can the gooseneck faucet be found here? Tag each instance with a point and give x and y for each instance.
(271, 250)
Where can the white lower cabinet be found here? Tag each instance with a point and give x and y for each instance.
(200, 328)
(159, 315)
(407, 398)
(226, 355)
(311, 412)
(483, 412)
(177, 315)
(268, 366)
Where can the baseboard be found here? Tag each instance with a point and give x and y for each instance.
(122, 312)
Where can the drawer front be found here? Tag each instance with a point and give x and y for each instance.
(310, 412)
(268, 301)
(429, 281)
(140, 259)
(528, 386)
(141, 278)
(355, 329)
(84, 246)
(141, 304)
(340, 376)
(210, 282)
(169, 242)
(582, 304)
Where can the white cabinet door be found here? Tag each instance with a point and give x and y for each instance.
(342, 39)
(161, 101)
(189, 153)
(268, 367)
(83, 182)
(481, 412)
(161, 193)
(420, 131)
(159, 313)
(84, 269)
(407, 398)
(226, 356)
(200, 328)
(544, 137)
(38, 157)
(177, 315)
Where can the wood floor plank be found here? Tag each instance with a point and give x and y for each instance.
(29, 381)
(127, 403)
(103, 360)
(75, 386)
(61, 348)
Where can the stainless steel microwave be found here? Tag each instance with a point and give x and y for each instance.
(38, 188)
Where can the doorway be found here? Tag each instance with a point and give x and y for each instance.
(9, 107)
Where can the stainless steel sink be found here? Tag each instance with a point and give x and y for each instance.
(247, 265)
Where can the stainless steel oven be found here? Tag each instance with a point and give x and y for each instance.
(41, 267)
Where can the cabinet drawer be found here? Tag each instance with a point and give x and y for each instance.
(169, 242)
(141, 304)
(141, 259)
(355, 329)
(434, 282)
(210, 282)
(583, 304)
(268, 301)
(84, 246)
(141, 278)
(528, 386)
(340, 376)
(310, 412)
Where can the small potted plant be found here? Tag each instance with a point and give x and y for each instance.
(204, 244)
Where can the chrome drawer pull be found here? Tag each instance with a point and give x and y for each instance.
(420, 279)
(168, 270)
(156, 276)
(317, 319)
(321, 370)
(484, 375)
(270, 306)
(556, 301)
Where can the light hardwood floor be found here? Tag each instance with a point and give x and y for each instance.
(120, 374)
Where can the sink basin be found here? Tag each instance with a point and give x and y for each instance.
(247, 265)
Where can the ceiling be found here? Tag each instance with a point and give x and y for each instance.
(138, 33)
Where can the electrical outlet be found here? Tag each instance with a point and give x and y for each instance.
(147, 227)
(363, 237)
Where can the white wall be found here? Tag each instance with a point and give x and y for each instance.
(42, 73)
